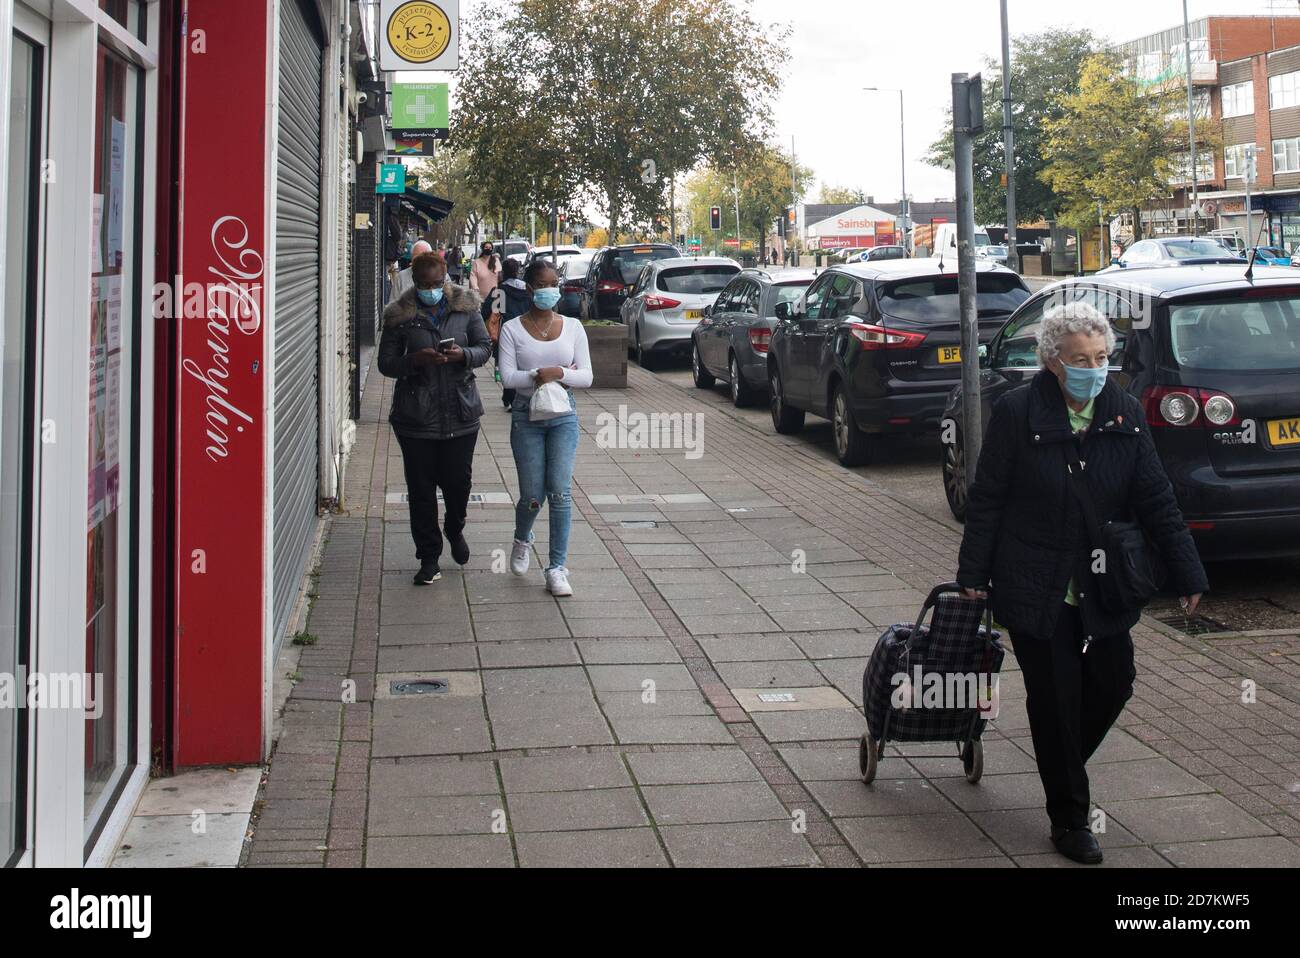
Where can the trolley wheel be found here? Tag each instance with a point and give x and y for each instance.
(868, 756)
(972, 760)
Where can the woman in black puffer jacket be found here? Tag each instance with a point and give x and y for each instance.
(1027, 535)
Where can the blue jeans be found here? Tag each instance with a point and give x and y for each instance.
(544, 453)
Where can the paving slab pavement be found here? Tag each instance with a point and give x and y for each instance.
(614, 729)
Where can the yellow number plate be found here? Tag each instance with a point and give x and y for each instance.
(949, 354)
(1284, 432)
(695, 314)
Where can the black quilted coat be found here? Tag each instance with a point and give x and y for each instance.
(1025, 531)
(441, 401)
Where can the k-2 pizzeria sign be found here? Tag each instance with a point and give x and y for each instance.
(419, 35)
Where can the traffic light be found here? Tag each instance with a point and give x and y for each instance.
(780, 227)
(715, 217)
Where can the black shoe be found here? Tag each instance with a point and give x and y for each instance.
(428, 573)
(1077, 844)
(459, 548)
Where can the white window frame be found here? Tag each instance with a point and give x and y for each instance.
(56, 836)
(1238, 99)
(1290, 162)
(1284, 90)
(1234, 159)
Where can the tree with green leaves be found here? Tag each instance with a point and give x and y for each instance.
(1116, 143)
(1045, 67)
(764, 184)
(841, 195)
(593, 100)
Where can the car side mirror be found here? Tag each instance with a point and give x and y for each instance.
(984, 356)
(782, 310)
(708, 311)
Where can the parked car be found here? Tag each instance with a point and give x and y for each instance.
(668, 300)
(732, 339)
(612, 272)
(880, 252)
(515, 250)
(847, 254)
(1174, 251)
(1214, 358)
(572, 271)
(875, 347)
(1270, 256)
(561, 253)
(994, 252)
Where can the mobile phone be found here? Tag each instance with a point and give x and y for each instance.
(443, 344)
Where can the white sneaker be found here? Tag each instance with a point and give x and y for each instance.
(557, 581)
(519, 556)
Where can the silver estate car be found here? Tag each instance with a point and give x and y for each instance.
(668, 300)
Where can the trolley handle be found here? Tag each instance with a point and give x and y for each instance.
(948, 588)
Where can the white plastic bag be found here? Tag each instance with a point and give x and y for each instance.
(549, 402)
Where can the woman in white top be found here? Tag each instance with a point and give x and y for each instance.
(540, 347)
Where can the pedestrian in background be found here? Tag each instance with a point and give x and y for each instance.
(402, 281)
(433, 340)
(537, 348)
(511, 300)
(485, 275)
(1066, 455)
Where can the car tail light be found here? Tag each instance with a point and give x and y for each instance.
(571, 288)
(1189, 406)
(660, 302)
(877, 337)
(760, 339)
(608, 286)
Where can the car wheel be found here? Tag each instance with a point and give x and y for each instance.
(644, 357)
(742, 393)
(785, 419)
(954, 477)
(703, 378)
(852, 445)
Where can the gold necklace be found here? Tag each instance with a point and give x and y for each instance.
(544, 333)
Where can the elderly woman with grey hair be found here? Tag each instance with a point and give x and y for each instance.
(1070, 518)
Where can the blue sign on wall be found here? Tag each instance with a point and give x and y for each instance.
(392, 178)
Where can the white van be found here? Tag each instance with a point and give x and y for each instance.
(945, 238)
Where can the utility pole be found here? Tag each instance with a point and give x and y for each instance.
(1009, 144)
(1194, 212)
(968, 122)
(1249, 178)
(794, 204)
(902, 156)
(1103, 257)
(672, 209)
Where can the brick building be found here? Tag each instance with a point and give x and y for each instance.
(1246, 77)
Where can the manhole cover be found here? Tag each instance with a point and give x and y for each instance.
(1191, 624)
(639, 524)
(419, 686)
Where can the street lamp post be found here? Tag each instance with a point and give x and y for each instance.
(902, 155)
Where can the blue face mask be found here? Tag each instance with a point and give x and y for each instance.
(1084, 384)
(546, 298)
(430, 297)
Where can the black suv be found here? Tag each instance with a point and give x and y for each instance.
(612, 273)
(875, 347)
(1214, 358)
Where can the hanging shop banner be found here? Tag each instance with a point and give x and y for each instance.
(419, 35)
(413, 145)
(429, 136)
(216, 305)
(419, 108)
(392, 178)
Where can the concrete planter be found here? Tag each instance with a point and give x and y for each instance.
(608, 345)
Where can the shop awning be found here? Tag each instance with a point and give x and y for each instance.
(435, 207)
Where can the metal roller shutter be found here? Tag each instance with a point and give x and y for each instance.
(297, 309)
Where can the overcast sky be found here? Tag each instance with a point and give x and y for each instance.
(850, 137)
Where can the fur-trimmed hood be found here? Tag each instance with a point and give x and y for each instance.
(459, 300)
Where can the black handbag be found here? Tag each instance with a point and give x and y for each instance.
(1132, 570)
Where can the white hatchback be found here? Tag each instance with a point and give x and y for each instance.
(667, 302)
